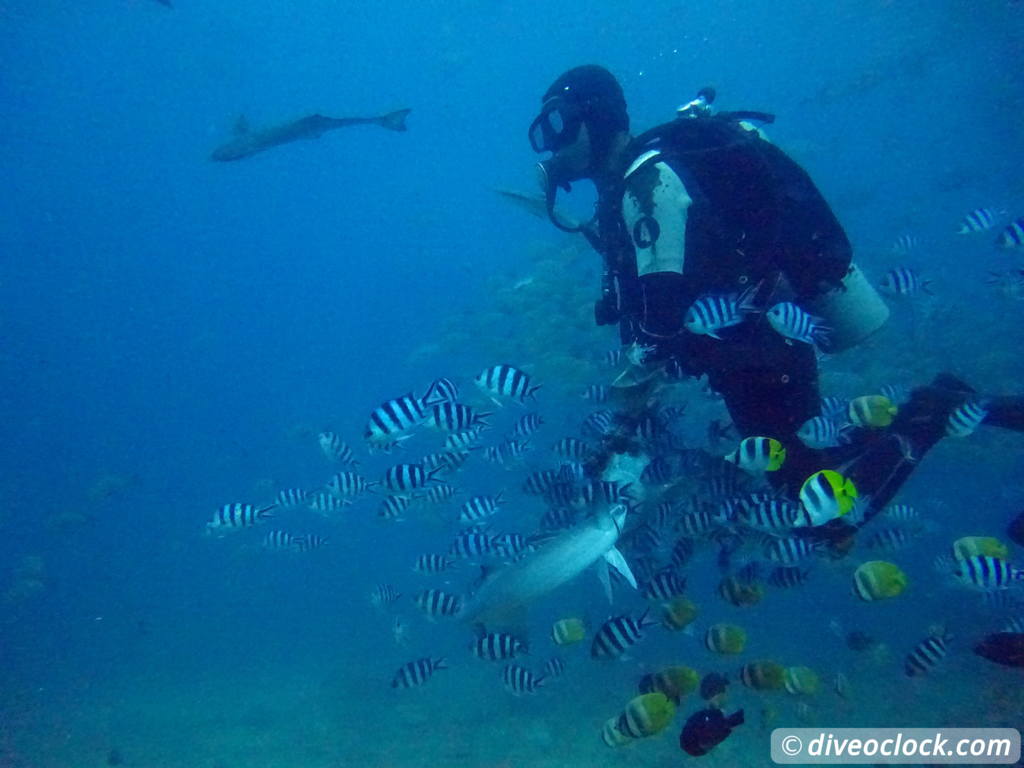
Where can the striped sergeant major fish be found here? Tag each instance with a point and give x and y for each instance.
(433, 563)
(987, 573)
(512, 588)
(309, 542)
(291, 497)
(472, 545)
(497, 646)
(966, 418)
(978, 220)
(599, 423)
(393, 420)
(465, 440)
(1012, 235)
(247, 143)
(480, 508)
(408, 477)
(441, 390)
(507, 381)
(904, 244)
(336, 449)
(554, 667)
(384, 595)
(456, 417)
(393, 507)
(791, 321)
(527, 424)
(279, 541)
(234, 517)
(927, 654)
(712, 313)
(619, 634)
(435, 602)
(573, 449)
(348, 485)
(904, 281)
(519, 680)
(416, 673)
(328, 504)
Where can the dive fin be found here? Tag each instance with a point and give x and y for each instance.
(615, 559)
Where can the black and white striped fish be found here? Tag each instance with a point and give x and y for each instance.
(393, 507)
(890, 539)
(978, 220)
(896, 393)
(573, 449)
(435, 602)
(408, 477)
(791, 321)
(904, 281)
(788, 576)
(432, 563)
(596, 393)
(456, 417)
(336, 449)
(497, 646)
(519, 680)
(510, 545)
(438, 493)
(231, 517)
(291, 497)
(612, 358)
(554, 667)
(664, 585)
(598, 424)
(682, 551)
(904, 244)
(834, 408)
(471, 545)
(771, 515)
(557, 519)
(279, 541)
(926, 655)
(442, 390)
(790, 551)
(540, 482)
(465, 440)
(618, 634)
(348, 485)
(507, 381)
(384, 595)
(527, 424)
(712, 313)
(327, 503)
(901, 513)
(966, 418)
(416, 673)
(444, 462)
(1012, 235)
(480, 508)
(393, 420)
(987, 573)
(309, 542)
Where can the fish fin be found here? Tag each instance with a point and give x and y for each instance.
(615, 559)
(395, 121)
(241, 127)
(606, 580)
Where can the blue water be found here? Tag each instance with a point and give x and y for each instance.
(177, 331)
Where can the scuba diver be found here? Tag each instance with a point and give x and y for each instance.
(703, 225)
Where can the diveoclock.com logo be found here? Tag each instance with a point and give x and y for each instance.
(852, 746)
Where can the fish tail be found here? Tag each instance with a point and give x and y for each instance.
(395, 121)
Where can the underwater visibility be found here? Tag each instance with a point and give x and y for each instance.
(651, 382)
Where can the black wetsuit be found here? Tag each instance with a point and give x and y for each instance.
(753, 218)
